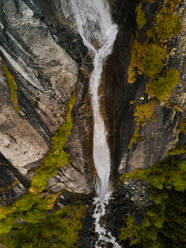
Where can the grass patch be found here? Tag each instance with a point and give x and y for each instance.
(12, 86)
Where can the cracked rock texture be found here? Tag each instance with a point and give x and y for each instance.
(117, 95)
(40, 45)
(46, 57)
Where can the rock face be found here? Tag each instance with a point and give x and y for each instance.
(45, 56)
(40, 45)
(119, 97)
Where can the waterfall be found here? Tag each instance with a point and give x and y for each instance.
(95, 26)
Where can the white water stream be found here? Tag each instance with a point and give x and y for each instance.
(95, 26)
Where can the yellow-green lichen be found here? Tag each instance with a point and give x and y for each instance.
(12, 87)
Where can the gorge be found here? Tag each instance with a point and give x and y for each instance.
(92, 123)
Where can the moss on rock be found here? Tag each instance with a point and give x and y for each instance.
(12, 86)
(140, 16)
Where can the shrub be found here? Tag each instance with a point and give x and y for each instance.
(167, 24)
(152, 62)
(162, 223)
(32, 209)
(144, 112)
(162, 87)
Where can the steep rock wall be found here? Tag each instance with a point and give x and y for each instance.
(46, 57)
(120, 98)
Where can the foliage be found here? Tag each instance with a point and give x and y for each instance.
(140, 16)
(56, 156)
(12, 87)
(167, 24)
(162, 222)
(149, 58)
(143, 113)
(59, 229)
(25, 218)
(152, 62)
(146, 59)
(162, 86)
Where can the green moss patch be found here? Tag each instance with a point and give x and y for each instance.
(12, 86)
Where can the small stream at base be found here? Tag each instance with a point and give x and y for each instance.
(95, 26)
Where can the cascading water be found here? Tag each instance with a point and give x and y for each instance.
(95, 26)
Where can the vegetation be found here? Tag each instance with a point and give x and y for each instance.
(9, 186)
(143, 113)
(162, 86)
(140, 16)
(150, 58)
(59, 229)
(152, 62)
(12, 87)
(167, 24)
(27, 222)
(162, 223)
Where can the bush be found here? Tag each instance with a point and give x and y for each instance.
(162, 222)
(152, 62)
(167, 24)
(162, 87)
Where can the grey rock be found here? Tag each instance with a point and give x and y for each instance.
(44, 53)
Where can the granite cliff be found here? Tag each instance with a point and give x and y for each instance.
(44, 65)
